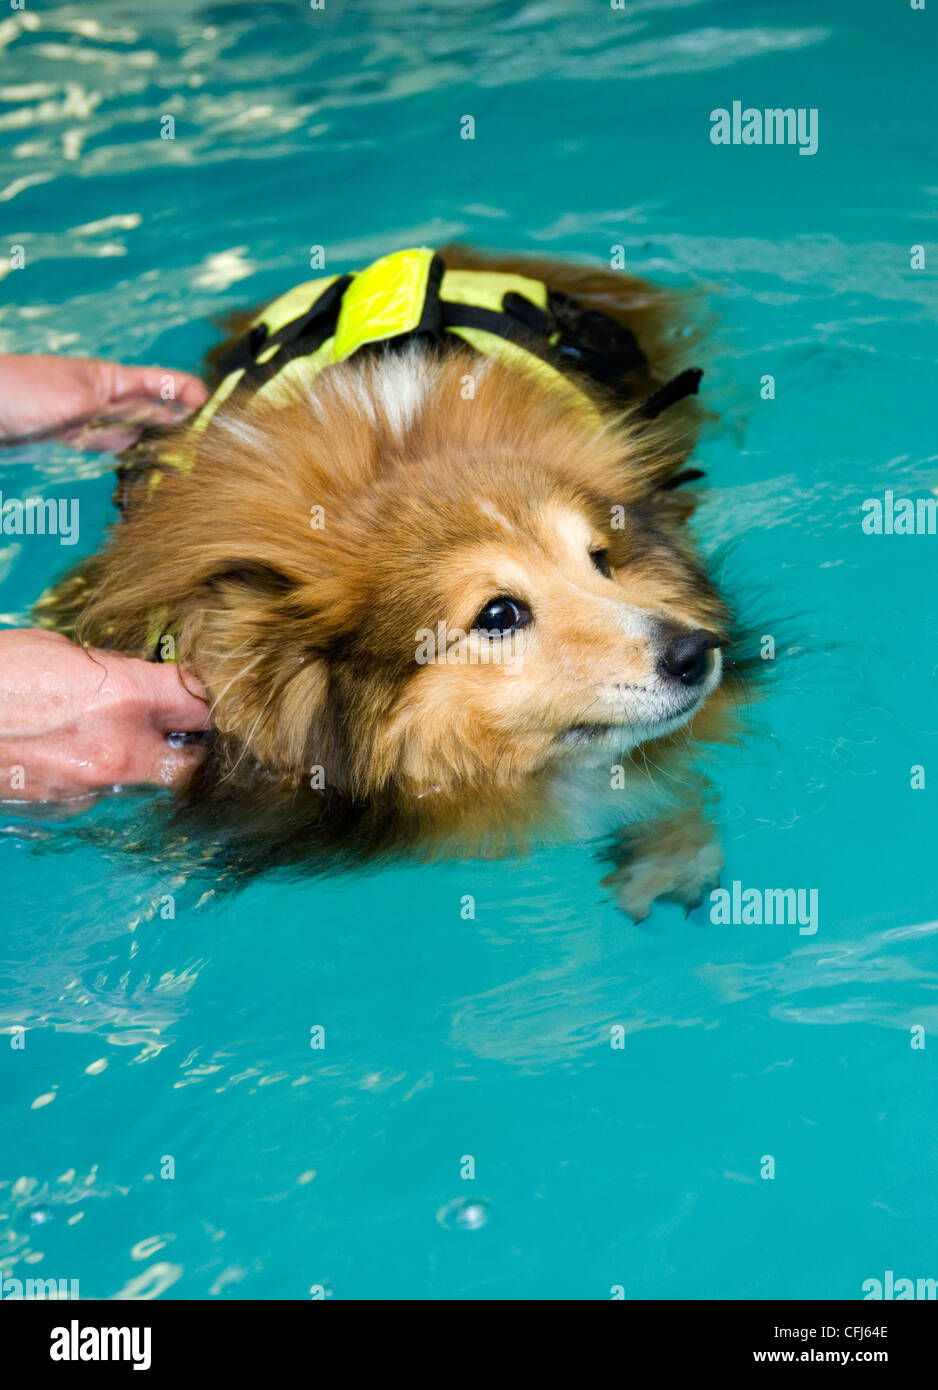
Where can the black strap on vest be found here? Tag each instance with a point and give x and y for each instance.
(300, 337)
(503, 325)
(304, 335)
(565, 334)
(689, 475)
(606, 350)
(680, 386)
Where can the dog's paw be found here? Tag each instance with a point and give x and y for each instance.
(695, 878)
(682, 869)
(631, 890)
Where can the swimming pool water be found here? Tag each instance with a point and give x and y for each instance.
(153, 1037)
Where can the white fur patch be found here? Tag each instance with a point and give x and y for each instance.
(400, 385)
(392, 389)
(236, 423)
(590, 804)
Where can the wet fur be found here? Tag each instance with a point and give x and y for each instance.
(304, 638)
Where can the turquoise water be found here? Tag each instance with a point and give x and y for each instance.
(188, 1037)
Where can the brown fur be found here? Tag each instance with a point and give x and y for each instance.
(305, 638)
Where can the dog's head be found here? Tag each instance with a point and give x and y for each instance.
(427, 574)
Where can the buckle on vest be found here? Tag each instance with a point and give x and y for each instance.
(602, 348)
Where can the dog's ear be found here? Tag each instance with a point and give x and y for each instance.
(272, 680)
(255, 575)
(274, 701)
(301, 727)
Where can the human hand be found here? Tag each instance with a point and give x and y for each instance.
(93, 405)
(75, 721)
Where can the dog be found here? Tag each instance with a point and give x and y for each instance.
(443, 598)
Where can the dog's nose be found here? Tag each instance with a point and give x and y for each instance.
(685, 658)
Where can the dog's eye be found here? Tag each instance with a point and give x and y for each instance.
(503, 615)
(600, 559)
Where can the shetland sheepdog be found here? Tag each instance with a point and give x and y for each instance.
(501, 632)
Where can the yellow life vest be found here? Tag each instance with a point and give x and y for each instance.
(407, 295)
(412, 295)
